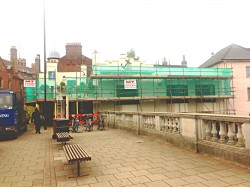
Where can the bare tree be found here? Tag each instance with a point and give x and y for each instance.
(131, 54)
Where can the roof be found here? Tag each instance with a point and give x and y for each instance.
(231, 52)
(20, 68)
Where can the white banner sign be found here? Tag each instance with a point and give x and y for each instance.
(130, 84)
(29, 83)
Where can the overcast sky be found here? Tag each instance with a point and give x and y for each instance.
(153, 28)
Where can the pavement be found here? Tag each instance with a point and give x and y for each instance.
(119, 158)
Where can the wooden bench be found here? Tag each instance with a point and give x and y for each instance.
(75, 153)
(63, 137)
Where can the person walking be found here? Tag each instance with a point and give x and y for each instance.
(36, 117)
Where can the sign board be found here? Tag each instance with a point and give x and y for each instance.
(130, 84)
(52, 74)
(29, 83)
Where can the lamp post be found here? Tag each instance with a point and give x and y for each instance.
(45, 67)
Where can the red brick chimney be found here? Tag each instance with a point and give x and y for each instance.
(13, 57)
(74, 49)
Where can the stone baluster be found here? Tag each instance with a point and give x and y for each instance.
(214, 132)
(147, 121)
(175, 122)
(131, 120)
(222, 132)
(153, 122)
(119, 119)
(230, 134)
(150, 122)
(162, 123)
(143, 121)
(122, 119)
(170, 124)
(165, 124)
(173, 125)
(128, 120)
(208, 131)
(240, 137)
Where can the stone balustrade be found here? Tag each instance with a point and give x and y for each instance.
(220, 135)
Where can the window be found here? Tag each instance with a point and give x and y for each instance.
(6, 101)
(248, 71)
(248, 94)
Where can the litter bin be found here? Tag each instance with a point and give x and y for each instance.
(60, 125)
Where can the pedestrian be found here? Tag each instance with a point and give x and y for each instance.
(36, 117)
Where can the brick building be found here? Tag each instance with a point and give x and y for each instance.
(73, 59)
(14, 72)
(72, 69)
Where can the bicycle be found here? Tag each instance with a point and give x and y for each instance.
(101, 124)
(75, 124)
(89, 125)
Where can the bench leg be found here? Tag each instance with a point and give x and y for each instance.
(78, 168)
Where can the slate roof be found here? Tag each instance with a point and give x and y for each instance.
(231, 52)
(20, 68)
(23, 72)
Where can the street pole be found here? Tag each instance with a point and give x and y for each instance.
(76, 89)
(45, 67)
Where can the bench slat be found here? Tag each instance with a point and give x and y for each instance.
(68, 153)
(71, 154)
(75, 153)
(83, 153)
(67, 156)
(79, 152)
(63, 137)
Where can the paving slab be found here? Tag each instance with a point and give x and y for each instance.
(118, 158)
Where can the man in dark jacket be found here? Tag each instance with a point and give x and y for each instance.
(36, 117)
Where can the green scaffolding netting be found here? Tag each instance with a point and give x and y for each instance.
(158, 71)
(194, 82)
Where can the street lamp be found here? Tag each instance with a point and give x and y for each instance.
(45, 66)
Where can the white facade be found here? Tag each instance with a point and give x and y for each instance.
(122, 61)
(62, 76)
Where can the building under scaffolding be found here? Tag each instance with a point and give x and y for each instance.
(156, 89)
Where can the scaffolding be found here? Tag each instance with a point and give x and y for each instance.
(174, 85)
